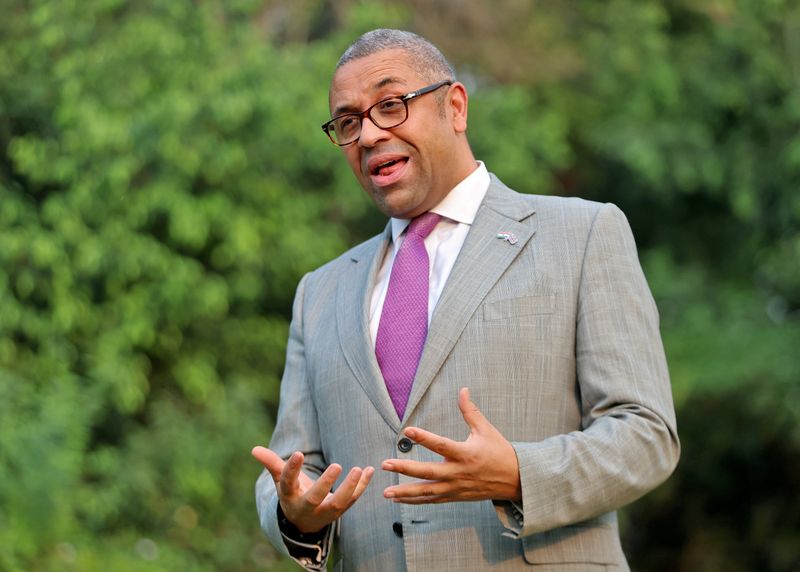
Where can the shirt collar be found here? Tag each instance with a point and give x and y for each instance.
(460, 204)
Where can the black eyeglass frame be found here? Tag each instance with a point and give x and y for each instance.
(327, 127)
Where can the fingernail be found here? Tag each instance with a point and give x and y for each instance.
(388, 494)
(387, 466)
(410, 433)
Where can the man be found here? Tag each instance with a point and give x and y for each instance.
(490, 373)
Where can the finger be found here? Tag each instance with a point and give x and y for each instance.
(271, 461)
(363, 482)
(419, 489)
(340, 500)
(419, 470)
(320, 489)
(289, 483)
(436, 443)
(425, 500)
(472, 415)
(445, 495)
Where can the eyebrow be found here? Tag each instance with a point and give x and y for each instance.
(346, 108)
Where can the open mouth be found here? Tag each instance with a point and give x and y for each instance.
(386, 168)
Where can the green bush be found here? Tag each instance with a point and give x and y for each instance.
(164, 184)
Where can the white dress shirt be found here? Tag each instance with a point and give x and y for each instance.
(458, 210)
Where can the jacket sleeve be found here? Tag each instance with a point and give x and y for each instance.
(628, 442)
(296, 429)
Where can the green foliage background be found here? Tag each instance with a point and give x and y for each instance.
(164, 184)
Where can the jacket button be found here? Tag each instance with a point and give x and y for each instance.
(405, 445)
(398, 529)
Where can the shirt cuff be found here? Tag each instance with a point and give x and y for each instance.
(511, 517)
(309, 550)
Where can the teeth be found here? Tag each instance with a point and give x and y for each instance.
(384, 165)
(377, 168)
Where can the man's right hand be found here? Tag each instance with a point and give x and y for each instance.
(310, 505)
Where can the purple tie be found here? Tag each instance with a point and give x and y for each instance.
(404, 319)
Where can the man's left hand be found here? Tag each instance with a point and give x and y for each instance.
(484, 467)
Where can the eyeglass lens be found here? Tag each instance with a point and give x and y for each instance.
(384, 114)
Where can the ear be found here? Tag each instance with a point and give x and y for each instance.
(457, 106)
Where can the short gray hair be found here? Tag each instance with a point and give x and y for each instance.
(426, 58)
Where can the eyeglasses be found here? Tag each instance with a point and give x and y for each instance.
(385, 114)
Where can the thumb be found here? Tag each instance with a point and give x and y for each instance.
(472, 415)
(271, 461)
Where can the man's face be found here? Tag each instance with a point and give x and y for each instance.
(404, 169)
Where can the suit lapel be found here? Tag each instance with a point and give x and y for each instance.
(482, 261)
(353, 295)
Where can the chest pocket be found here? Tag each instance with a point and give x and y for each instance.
(538, 304)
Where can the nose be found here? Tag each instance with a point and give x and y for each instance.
(371, 133)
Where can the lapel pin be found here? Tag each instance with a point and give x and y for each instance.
(508, 237)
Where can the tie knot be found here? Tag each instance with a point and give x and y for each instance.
(424, 224)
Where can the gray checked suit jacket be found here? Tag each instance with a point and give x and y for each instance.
(557, 338)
